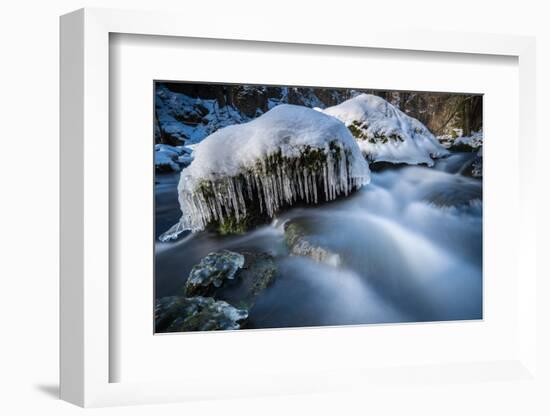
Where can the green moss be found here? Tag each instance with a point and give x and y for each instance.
(311, 159)
(205, 188)
(355, 131)
(359, 131)
(233, 226)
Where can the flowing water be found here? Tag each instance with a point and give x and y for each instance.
(409, 245)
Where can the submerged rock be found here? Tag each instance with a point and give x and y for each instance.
(289, 155)
(300, 243)
(386, 134)
(256, 275)
(461, 191)
(179, 314)
(212, 272)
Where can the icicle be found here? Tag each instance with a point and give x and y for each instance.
(273, 184)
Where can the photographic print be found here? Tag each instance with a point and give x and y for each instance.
(285, 206)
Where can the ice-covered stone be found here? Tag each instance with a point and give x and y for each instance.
(290, 154)
(213, 270)
(237, 278)
(179, 314)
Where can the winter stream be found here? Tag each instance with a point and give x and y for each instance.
(409, 246)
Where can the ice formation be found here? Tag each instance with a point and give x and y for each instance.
(213, 270)
(289, 154)
(386, 134)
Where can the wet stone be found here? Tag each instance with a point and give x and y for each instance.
(179, 314)
(212, 272)
(299, 241)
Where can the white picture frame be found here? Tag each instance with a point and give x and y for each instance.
(85, 220)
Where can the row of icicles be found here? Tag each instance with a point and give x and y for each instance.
(284, 185)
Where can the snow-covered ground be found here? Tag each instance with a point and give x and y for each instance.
(386, 134)
(283, 156)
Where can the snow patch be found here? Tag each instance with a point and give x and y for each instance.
(475, 141)
(172, 158)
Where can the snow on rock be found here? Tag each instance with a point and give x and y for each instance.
(189, 119)
(474, 142)
(289, 154)
(171, 158)
(386, 134)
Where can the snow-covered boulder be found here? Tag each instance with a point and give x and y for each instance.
(386, 134)
(290, 154)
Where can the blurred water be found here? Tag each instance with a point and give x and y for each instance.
(410, 245)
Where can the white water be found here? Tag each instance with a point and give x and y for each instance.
(410, 249)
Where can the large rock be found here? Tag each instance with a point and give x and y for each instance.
(180, 314)
(289, 155)
(386, 134)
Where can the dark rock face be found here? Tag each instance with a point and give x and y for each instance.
(440, 112)
(250, 101)
(179, 314)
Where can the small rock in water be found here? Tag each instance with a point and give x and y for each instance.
(212, 272)
(178, 314)
(296, 238)
(460, 192)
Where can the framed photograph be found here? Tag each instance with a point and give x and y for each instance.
(277, 212)
(284, 206)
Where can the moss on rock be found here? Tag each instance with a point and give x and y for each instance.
(237, 204)
(180, 314)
